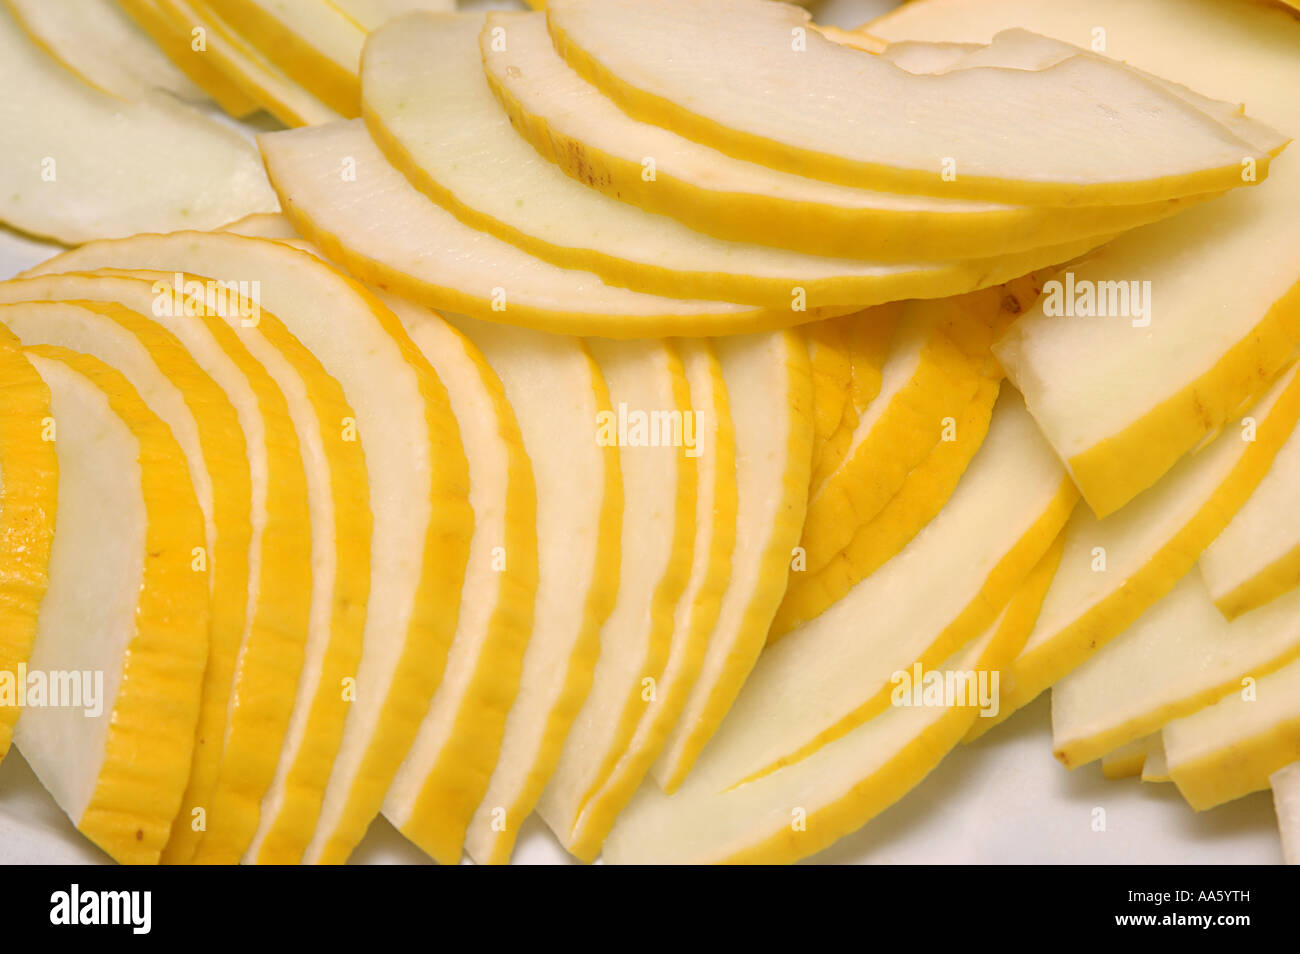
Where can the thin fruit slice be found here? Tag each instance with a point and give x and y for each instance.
(29, 472)
(124, 601)
(711, 443)
(769, 395)
(650, 401)
(557, 393)
(1156, 766)
(268, 225)
(803, 808)
(372, 14)
(388, 233)
(1180, 656)
(431, 111)
(1115, 569)
(831, 364)
(73, 159)
(1256, 558)
(1230, 749)
(434, 794)
(1286, 800)
(241, 446)
(749, 78)
(946, 587)
(1127, 760)
(99, 42)
(315, 43)
(574, 125)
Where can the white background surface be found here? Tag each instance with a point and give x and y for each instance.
(1004, 799)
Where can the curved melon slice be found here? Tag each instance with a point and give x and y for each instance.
(557, 392)
(73, 158)
(124, 601)
(833, 674)
(769, 394)
(1128, 760)
(260, 78)
(713, 447)
(314, 43)
(1256, 558)
(434, 794)
(803, 808)
(831, 364)
(28, 498)
(749, 78)
(1180, 656)
(256, 650)
(574, 125)
(1286, 800)
(388, 233)
(650, 400)
(372, 14)
(1228, 750)
(267, 225)
(98, 41)
(1115, 569)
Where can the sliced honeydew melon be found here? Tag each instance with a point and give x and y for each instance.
(372, 14)
(441, 781)
(1113, 570)
(125, 610)
(29, 473)
(574, 125)
(1127, 760)
(1286, 801)
(1179, 657)
(649, 394)
(257, 652)
(1256, 558)
(557, 393)
(73, 159)
(939, 593)
(803, 808)
(388, 233)
(1228, 750)
(769, 390)
(698, 609)
(313, 42)
(99, 42)
(749, 78)
(256, 75)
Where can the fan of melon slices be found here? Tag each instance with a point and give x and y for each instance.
(672, 420)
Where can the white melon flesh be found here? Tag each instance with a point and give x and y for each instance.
(372, 14)
(573, 124)
(434, 794)
(769, 392)
(1180, 656)
(1286, 800)
(1115, 569)
(387, 232)
(269, 225)
(556, 392)
(648, 396)
(99, 42)
(1256, 558)
(749, 77)
(124, 605)
(1156, 766)
(73, 159)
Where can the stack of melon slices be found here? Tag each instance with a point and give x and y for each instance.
(728, 576)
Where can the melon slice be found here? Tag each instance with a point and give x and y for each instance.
(574, 125)
(259, 77)
(1115, 569)
(314, 43)
(1228, 750)
(1127, 760)
(831, 364)
(73, 158)
(833, 674)
(124, 601)
(713, 448)
(28, 498)
(557, 392)
(1256, 558)
(650, 399)
(769, 392)
(440, 783)
(1286, 800)
(1180, 656)
(749, 78)
(1156, 766)
(99, 42)
(240, 445)
(388, 233)
(268, 225)
(372, 14)
(803, 808)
